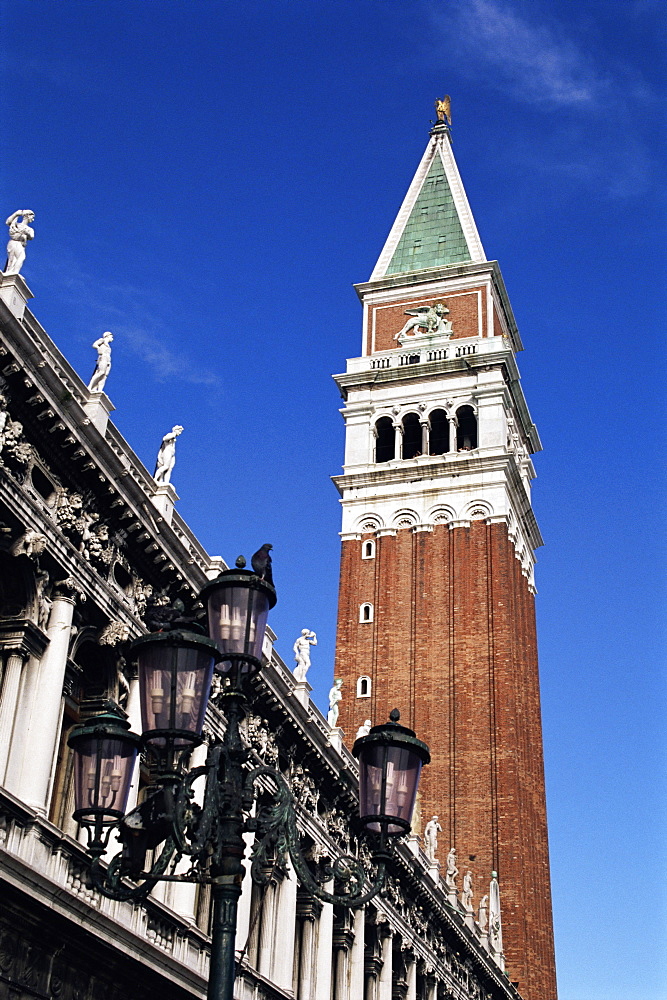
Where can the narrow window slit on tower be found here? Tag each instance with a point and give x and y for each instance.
(363, 687)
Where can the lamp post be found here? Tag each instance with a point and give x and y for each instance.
(175, 669)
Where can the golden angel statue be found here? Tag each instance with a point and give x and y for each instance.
(443, 109)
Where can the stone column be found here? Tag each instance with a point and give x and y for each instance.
(357, 955)
(425, 430)
(398, 441)
(245, 900)
(8, 705)
(372, 969)
(324, 946)
(411, 966)
(283, 947)
(453, 425)
(386, 977)
(29, 777)
(133, 709)
(266, 932)
(182, 896)
(431, 987)
(309, 910)
(256, 902)
(343, 937)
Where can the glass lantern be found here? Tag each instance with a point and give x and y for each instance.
(238, 607)
(390, 762)
(104, 756)
(175, 673)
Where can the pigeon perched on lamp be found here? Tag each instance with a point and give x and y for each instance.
(261, 563)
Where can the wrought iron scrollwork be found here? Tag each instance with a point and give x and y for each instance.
(112, 881)
(277, 835)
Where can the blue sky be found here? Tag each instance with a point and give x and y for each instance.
(210, 178)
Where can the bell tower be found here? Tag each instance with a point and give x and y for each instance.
(436, 606)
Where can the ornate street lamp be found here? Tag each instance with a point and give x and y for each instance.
(104, 756)
(175, 669)
(390, 763)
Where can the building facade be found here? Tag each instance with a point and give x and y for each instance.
(89, 541)
(436, 607)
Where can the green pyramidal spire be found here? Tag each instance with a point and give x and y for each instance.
(435, 226)
(433, 235)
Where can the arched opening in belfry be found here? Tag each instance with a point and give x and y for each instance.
(466, 433)
(412, 436)
(385, 439)
(438, 440)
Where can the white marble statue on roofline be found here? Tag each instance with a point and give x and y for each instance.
(166, 457)
(452, 870)
(466, 896)
(431, 831)
(364, 730)
(19, 234)
(302, 653)
(495, 924)
(335, 697)
(103, 365)
(432, 318)
(482, 914)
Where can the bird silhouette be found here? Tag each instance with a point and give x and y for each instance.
(261, 563)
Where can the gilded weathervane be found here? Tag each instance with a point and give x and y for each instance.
(443, 109)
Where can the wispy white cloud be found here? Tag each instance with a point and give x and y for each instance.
(534, 61)
(525, 53)
(133, 316)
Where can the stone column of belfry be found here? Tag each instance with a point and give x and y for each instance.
(451, 641)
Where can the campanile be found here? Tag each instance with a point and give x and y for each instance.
(436, 607)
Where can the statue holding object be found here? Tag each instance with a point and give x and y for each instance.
(19, 234)
(103, 366)
(166, 458)
(443, 109)
(302, 653)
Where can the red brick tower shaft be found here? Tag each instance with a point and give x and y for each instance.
(436, 611)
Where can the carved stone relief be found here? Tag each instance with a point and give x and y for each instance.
(260, 738)
(303, 787)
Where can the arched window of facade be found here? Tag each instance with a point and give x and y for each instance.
(466, 433)
(363, 687)
(366, 613)
(438, 440)
(412, 436)
(384, 440)
(368, 549)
